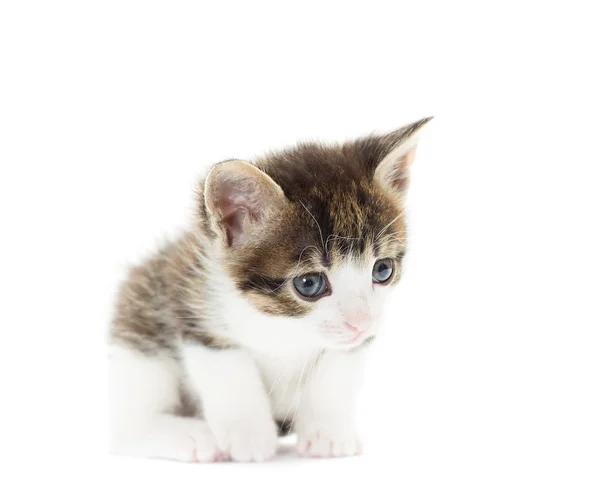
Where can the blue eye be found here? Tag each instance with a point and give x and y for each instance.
(382, 270)
(311, 286)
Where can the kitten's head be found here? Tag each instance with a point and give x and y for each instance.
(316, 233)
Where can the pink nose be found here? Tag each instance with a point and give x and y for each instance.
(358, 320)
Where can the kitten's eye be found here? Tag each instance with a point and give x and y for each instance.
(311, 285)
(382, 270)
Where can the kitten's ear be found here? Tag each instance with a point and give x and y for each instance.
(240, 198)
(397, 153)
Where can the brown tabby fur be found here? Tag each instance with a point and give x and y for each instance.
(335, 210)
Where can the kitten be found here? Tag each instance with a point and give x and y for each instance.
(260, 316)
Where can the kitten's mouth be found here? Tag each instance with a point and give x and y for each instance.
(349, 337)
(359, 339)
(358, 335)
(355, 339)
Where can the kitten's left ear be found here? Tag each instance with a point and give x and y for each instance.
(398, 151)
(240, 199)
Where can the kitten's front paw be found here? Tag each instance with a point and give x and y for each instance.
(328, 439)
(247, 441)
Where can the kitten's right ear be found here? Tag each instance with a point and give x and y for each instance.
(396, 154)
(240, 198)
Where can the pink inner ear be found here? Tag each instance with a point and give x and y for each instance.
(399, 175)
(234, 227)
(235, 205)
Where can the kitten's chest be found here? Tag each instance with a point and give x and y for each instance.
(284, 380)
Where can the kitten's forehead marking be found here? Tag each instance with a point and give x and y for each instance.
(355, 216)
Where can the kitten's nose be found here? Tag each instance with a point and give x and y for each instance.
(358, 320)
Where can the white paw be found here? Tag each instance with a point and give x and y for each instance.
(173, 438)
(246, 440)
(328, 439)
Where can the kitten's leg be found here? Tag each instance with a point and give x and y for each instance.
(325, 422)
(234, 401)
(143, 390)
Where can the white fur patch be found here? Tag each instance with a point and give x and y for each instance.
(144, 390)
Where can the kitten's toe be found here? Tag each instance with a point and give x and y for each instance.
(205, 447)
(195, 443)
(247, 441)
(329, 441)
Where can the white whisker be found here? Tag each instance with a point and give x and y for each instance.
(298, 385)
(318, 226)
(318, 354)
(388, 225)
(276, 382)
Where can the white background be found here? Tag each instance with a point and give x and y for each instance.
(486, 380)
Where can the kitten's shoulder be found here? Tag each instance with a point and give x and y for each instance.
(146, 309)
